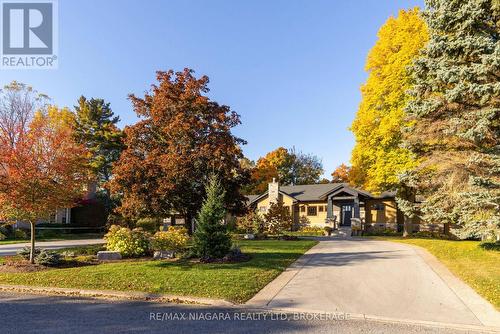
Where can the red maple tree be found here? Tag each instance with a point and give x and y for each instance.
(42, 169)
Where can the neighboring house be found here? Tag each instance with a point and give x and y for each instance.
(332, 204)
(90, 212)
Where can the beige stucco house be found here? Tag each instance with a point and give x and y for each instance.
(332, 204)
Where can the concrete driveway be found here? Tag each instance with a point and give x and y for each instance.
(377, 278)
(12, 249)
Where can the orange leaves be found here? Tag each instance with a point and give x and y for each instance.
(44, 170)
(182, 138)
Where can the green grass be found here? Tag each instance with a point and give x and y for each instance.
(55, 238)
(476, 266)
(236, 282)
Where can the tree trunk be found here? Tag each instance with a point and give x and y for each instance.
(188, 221)
(446, 228)
(407, 227)
(32, 251)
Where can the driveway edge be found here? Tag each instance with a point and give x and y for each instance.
(267, 293)
(482, 309)
(118, 295)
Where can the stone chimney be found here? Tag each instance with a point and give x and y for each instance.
(273, 191)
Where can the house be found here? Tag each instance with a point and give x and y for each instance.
(332, 204)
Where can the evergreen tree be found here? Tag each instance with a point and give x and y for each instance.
(95, 128)
(211, 239)
(455, 118)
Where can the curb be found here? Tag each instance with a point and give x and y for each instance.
(375, 318)
(117, 295)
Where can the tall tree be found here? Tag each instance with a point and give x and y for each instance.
(288, 166)
(341, 174)
(305, 168)
(181, 139)
(378, 157)
(41, 166)
(454, 117)
(96, 129)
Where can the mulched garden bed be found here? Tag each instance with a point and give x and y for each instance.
(16, 265)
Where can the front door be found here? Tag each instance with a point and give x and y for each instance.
(346, 215)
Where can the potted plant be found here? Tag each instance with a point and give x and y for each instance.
(328, 230)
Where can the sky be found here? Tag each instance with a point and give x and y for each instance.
(292, 69)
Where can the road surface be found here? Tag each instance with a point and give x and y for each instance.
(12, 249)
(42, 314)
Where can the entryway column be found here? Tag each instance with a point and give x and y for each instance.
(356, 213)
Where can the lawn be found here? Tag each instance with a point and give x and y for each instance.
(477, 267)
(236, 282)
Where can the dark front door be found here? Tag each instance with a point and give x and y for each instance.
(346, 215)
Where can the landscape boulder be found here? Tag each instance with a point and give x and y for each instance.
(163, 255)
(108, 255)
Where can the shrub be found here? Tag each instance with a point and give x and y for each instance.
(4, 231)
(150, 225)
(251, 222)
(128, 242)
(310, 230)
(432, 235)
(303, 223)
(68, 253)
(20, 234)
(2, 236)
(278, 219)
(175, 239)
(25, 252)
(491, 246)
(382, 232)
(48, 258)
(48, 234)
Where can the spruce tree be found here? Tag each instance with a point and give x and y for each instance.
(211, 239)
(455, 113)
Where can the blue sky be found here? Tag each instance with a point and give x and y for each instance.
(292, 69)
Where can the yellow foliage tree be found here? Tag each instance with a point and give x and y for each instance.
(378, 158)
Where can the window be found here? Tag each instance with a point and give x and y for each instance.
(326, 208)
(312, 210)
(321, 208)
(302, 209)
(379, 206)
(287, 208)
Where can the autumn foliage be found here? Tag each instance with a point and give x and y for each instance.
(378, 156)
(181, 139)
(341, 174)
(42, 168)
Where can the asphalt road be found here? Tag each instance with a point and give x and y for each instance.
(42, 314)
(12, 249)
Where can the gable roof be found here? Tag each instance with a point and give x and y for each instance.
(311, 192)
(251, 198)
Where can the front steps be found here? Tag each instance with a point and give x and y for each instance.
(342, 232)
